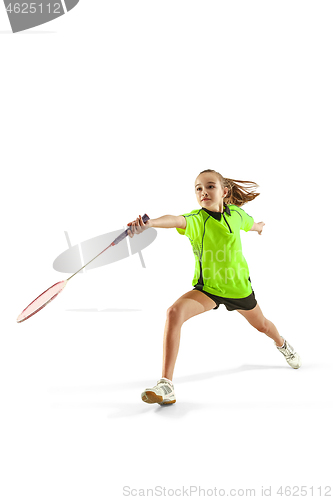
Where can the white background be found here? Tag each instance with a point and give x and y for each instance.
(111, 111)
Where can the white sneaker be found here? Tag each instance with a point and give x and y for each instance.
(163, 393)
(290, 354)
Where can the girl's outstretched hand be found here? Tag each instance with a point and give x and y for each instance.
(137, 226)
(261, 226)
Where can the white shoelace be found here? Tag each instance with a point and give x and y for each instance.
(288, 351)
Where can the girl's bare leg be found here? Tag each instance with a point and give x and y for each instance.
(256, 318)
(188, 305)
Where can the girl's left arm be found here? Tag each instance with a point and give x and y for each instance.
(258, 226)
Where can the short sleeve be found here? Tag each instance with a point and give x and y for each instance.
(247, 220)
(179, 229)
(193, 224)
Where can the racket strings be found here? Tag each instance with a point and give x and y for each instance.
(41, 301)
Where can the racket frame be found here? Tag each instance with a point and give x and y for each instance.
(41, 307)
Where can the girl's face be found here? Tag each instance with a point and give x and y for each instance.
(209, 192)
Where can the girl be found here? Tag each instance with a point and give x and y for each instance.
(221, 271)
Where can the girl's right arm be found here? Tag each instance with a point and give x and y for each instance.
(166, 221)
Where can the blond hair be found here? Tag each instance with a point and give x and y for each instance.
(237, 195)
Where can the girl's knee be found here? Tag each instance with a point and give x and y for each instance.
(174, 313)
(263, 326)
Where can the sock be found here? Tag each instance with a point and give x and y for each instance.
(168, 380)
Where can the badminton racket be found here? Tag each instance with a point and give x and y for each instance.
(52, 292)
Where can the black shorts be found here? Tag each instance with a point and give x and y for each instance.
(246, 304)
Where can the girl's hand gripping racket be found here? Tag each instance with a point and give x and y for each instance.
(51, 293)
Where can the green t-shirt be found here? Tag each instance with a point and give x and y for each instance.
(220, 267)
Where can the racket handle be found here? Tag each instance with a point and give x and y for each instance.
(123, 235)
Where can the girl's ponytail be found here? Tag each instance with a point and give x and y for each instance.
(237, 195)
